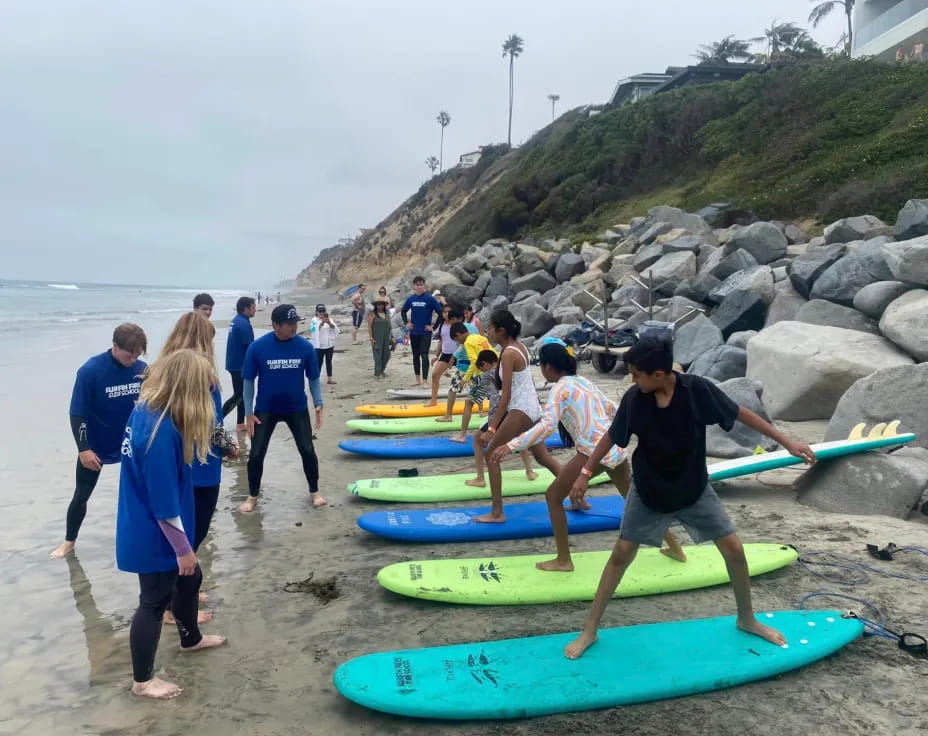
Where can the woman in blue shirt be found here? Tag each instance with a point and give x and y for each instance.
(170, 428)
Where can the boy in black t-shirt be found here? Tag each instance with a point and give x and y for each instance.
(669, 412)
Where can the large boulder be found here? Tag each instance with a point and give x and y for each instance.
(820, 312)
(698, 288)
(805, 269)
(585, 299)
(740, 339)
(568, 266)
(862, 227)
(908, 260)
(460, 294)
(473, 262)
(648, 256)
(465, 277)
(568, 314)
(786, 303)
(741, 440)
(758, 279)
(491, 305)
(905, 322)
(483, 281)
(763, 240)
(438, 279)
(795, 235)
(680, 219)
(626, 247)
(885, 395)
(805, 369)
(540, 281)
(695, 338)
(670, 270)
(873, 299)
(842, 280)
(721, 363)
(722, 264)
(528, 262)
(535, 319)
(618, 273)
(650, 233)
(870, 483)
(741, 310)
(912, 221)
(592, 253)
(498, 286)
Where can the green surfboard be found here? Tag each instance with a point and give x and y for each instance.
(512, 581)
(412, 425)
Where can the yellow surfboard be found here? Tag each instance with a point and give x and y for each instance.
(412, 410)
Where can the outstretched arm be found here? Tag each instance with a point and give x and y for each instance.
(757, 423)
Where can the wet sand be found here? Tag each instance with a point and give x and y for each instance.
(65, 667)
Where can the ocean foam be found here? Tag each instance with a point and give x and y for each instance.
(63, 286)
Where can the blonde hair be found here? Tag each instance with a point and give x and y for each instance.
(179, 385)
(193, 331)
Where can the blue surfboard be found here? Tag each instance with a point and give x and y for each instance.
(522, 678)
(420, 447)
(523, 520)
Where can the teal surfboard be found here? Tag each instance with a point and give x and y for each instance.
(521, 678)
(412, 425)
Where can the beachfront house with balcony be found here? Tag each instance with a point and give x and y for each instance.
(882, 26)
(470, 159)
(637, 87)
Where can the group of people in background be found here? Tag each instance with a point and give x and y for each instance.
(917, 54)
(164, 424)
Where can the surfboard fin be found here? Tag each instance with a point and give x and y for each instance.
(883, 430)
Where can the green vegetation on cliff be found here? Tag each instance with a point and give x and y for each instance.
(814, 140)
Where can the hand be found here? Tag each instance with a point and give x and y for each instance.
(318, 417)
(409, 326)
(90, 460)
(498, 453)
(484, 438)
(251, 421)
(372, 341)
(801, 450)
(578, 489)
(187, 564)
(428, 328)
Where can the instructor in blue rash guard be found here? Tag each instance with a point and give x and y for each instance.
(104, 393)
(279, 360)
(419, 322)
(241, 335)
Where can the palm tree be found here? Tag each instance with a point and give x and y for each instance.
(433, 163)
(824, 9)
(789, 41)
(554, 99)
(444, 120)
(512, 47)
(721, 52)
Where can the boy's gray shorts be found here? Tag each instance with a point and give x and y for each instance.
(705, 520)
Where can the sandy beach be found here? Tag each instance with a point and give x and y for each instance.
(65, 669)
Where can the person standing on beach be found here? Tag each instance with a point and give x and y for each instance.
(170, 429)
(241, 335)
(379, 331)
(382, 294)
(281, 361)
(417, 314)
(472, 319)
(445, 349)
(104, 393)
(669, 413)
(357, 314)
(322, 334)
(203, 303)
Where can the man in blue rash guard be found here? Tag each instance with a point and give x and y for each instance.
(241, 335)
(279, 361)
(105, 391)
(418, 313)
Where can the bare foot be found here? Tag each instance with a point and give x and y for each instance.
(445, 418)
(318, 501)
(678, 555)
(64, 550)
(432, 403)
(331, 382)
(531, 474)
(459, 438)
(476, 483)
(203, 617)
(581, 505)
(203, 597)
(753, 626)
(555, 565)
(207, 642)
(491, 518)
(578, 646)
(156, 689)
(249, 505)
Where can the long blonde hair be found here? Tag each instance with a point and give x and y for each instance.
(193, 331)
(179, 385)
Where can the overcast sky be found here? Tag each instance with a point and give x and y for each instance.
(225, 142)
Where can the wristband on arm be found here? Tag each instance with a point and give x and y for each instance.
(79, 430)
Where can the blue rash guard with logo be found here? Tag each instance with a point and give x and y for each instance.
(281, 367)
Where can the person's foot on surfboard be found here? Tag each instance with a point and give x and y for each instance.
(578, 646)
(491, 518)
(446, 418)
(581, 505)
(555, 565)
(432, 403)
(531, 474)
(753, 626)
(476, 483)
(674, 554)
(459, 438)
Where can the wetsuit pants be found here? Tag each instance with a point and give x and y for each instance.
(85, 482)
(156, 592)
(324, 356)
(302, 431)
(205, 499)
(235, 401)
(420, 345)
